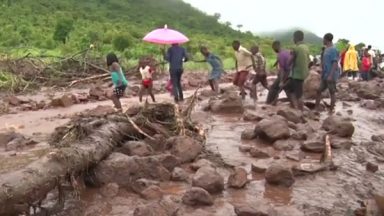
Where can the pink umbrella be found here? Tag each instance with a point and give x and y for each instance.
(165, 36)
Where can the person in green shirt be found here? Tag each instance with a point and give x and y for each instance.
(119, 81)
(299, 62)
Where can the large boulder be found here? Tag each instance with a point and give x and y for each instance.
(201, 163)
(238, 178)
(163, 207)
(229, 102)
(179, 174)
(311, 85)
(197, 196)
(123, 169)
(279, 175)
(110, 190)
(273, 129)
(251, 210)
(97, 93)
(138, 148)
(250, 115)
(140, 185)
(63, 101)
(258, 153)
(378, 138)
(314, 145)
(341, 143)
(152, 193)
(209, 179)
(185, 148)
(261, 166)
(339, 126)
(291, 115)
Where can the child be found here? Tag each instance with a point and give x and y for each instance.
(147, 82)
(366, 66)
(118, 79)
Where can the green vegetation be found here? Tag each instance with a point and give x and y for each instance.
(63, 27)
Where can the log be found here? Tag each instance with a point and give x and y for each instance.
(32, 183)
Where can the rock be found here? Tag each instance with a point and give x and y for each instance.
(286, 145)
(123, 169)
(245, 148)
(164, 207)
(260, 166)
(197, 196)
(308, 168)
(179, 174)
(291, 115)
(152, 192)
(315, 145)
(299, 135)
(110, 190)
(168, 161)
(138, 148)
(250, 115)
(273, 129)
(101, 111)
(201, 163)
(64, 101)
(311, 85)
(238, 179)
(13, 100)
(368, 94)
(7, 137)
(341, 143)
(251, 210)
(295, 156)
(369, 104)
(209, 179)
(159, 143)
(133, 110)
(378, 138)
(185, 148)
(41, 105)
(279, 175)
(193, 82)
(339, 126)
(19, 142)
(371, 167)
(140, 185)
(97, 93)
(260, 154)
(292, 125)
(248, 134)
(79, 98)
(229, 102)
(207, 93)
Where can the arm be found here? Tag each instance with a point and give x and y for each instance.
(335, 60)
(275, 64)
(167, 56)
(185, 56)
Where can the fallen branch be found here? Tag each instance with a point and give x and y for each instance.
(101, 76)
(188, 111)
(138, 129)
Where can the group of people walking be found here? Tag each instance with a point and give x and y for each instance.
(293, 68)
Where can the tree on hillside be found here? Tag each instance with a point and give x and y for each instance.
(63, 29)
(239, 26)
(342, 44)
(217, 16)
(121, 42)
(360, 46)
(228, 24)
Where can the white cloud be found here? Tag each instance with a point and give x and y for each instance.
(359, 21)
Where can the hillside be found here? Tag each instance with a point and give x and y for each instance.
(286, 36)
(118, 25)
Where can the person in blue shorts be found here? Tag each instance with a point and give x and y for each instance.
(217, 68)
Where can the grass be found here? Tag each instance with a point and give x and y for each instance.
(12, 83)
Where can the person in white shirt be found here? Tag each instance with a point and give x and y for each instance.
(244, 63)
(147, 81)
(372, 53)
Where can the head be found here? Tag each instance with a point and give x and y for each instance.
(369, 47)
(327, 39)
(175, 45)
(236, 45)
(276, 46)
(204, 51)
(298, 36)
(255, 49)
(366, 53)
(111, 58)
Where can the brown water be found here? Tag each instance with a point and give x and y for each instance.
(326, 193)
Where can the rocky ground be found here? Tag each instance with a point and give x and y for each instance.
(255, 159)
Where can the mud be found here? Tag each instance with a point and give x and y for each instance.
(335, 193)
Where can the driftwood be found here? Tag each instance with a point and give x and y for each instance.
(21, 189)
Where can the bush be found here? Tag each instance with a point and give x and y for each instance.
(121, 42)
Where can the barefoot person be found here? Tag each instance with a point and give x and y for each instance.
(176, 56)
(283, 58)
(217, 68)
(146, 80)
(299, 62)
(330, 71)
(260, 69)
(244, 62)
(118, 79)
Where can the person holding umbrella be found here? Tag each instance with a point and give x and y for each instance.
(176, 56)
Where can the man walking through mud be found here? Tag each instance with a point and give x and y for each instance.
(260, 70)
(244, 62)
(283, 59)
(330, 72)
(300, 61)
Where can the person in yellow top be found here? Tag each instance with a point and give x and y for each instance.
(351, 62)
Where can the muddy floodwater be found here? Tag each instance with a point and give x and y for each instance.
(334, 193)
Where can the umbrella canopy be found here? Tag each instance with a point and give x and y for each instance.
(165, 36)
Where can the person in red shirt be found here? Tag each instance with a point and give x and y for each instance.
(342, 57)
(366, 66)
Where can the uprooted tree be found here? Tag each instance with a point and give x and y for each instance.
(83, 143)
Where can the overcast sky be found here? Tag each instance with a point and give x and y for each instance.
(359, 21)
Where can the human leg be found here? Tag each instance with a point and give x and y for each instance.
(150, 92)
(179, 87)
(273, 93)
(332, 92)
(323, 86)
(175, 90)
(298, 94)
